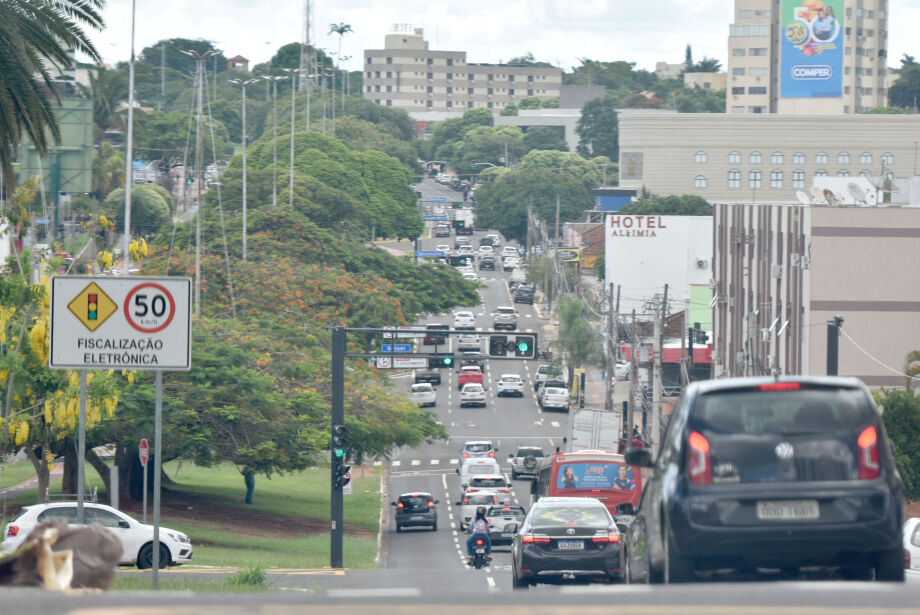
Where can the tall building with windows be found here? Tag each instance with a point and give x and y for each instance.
(408, 75)
(807, 56)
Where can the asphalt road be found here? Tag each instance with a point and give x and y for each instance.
(423, 571)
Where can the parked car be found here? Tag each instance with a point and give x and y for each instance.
(423, 394)
(505, 317)
(525, 461)
(418, 509)
(911, 533)
(785, 472)
(472, 501)
(554, 398)
(472, 394)
(510, 384)
(565, 538)
(504, 522)
(464, 320)
(136, 538)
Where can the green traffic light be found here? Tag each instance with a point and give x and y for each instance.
(523, 346)
(447, 361)
(340, 452)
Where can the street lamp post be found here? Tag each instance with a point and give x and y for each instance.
(346, 82)
(293, 72)
(243, 83)
(200, 59)
(274, 79)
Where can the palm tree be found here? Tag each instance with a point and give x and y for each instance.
(34, 36)
(341, 29)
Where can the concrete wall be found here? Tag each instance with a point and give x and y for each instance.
(567, 118)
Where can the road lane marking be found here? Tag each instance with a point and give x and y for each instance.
(452, 462)
(416, 462)
(396, 463)
(491, 583)
(435, 462)
(554, 423)
(444, 481)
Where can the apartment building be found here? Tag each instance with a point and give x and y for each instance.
(807, 56)
(408, 75)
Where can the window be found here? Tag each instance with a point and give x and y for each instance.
(699, 157)
(865, 158)
(738, 52)
(699, 181)
(738, 91)
(102, 517)
(758, 30)
(738, 72)
(758, 109)
(887, 159)
(776, 178)
(798, 178)
(762, 89)
(776, 158)
(757, 72)
(62, 512)
(758, 51)
(821, 158)
(450, 76)
(889, 175)
(734, 157)
(798, 158)
(755, 158)
(389, 74)
(843, 173)
(450, 61)
(843, 158)
(737, 109)
(389, 60)
(755, 179)
(377, 74)
(734, 178)
(821, 173)
(745, 14)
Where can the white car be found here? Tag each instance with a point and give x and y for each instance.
(510, 384)
(486, 250)
(469, 342)
(556, 398)
(442, 248)
(911, 534)
(472, 394)
(621, 370)
(464, 320)
(136, 538)
(423, 394)
(475, 467)
(465, 249)
(470, 275)
(471, 501)
(510, 251)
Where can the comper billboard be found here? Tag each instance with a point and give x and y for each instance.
(812, 49)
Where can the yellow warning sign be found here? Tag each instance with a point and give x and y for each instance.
(92, 307)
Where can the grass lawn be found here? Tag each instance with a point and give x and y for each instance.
(14, 473)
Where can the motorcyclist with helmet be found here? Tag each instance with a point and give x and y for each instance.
(478, 528)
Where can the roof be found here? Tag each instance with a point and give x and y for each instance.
(238, 59)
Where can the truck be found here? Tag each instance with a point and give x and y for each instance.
(595, 430)
(463, 221)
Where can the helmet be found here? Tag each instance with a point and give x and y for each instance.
(480, 511)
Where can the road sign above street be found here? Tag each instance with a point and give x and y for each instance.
(436, 217)
(429, 253)
(396, 347)
(101, 322)
(438, 199)
(401, 362)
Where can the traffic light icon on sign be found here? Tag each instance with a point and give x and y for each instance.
(498, 345)
(92, 306)
(524, 346)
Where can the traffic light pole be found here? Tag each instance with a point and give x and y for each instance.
(338, 418)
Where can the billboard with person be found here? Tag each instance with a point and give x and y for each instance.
(811, 43)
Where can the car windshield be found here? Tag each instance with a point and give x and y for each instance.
(556, 391)
(421, 388)
(507, 511)
(570, 515)
(745, 430)
(481, 447)
(472, 388)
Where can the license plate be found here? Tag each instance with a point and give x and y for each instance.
(416, 517)
(507, 534)
(788, 510)
(480, 549)
(570, 545)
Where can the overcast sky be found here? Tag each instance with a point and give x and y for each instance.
(556, 31)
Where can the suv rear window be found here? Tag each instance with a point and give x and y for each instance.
(412, 503)
(505, 310)
(529, 452)
(483, 447)
(745, 429)
(488, 482)
(481, 500)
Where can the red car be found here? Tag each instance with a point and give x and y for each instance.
(469, 373)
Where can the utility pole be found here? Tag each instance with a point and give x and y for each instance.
(274, 79)
(335, 67)
(833, 342)
(200, 68)
(633, 379)
(617, 321)
(611, 343)
(655, 432)
(306, 57)
(529, 216)
(555, 260)
(337, 531)
(293, 72)
(129, 148)
(162, 76)
(243, 84)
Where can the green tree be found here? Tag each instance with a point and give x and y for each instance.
(698, 100)
(108, 170)
(485, 144)
(551, 103)
(671, 205)
(545, 137)
(688, 59)
(166, 135)
(509, 110)
(598, 130)
(576, 337)
(34, 35)
(905, 91)
(706, 65)
(175, 59)
(885, 111)
(151, 206)
(531, 102)
(902, 422)
(528, 60)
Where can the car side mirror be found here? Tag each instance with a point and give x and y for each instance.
(625, 508)
(437, 501)
(124, 525)
(510, 455)
(641, 457)
(392, 503)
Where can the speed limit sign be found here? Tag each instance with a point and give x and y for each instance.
(104, 322)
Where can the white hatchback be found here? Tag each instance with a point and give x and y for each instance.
(486, 250)
(464, 320)
(510, 384)
(136, 538)
(423, 394)
(472, 394)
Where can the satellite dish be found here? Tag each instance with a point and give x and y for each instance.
(819, 195)
(857, 192)
(884, 184)
(830, 197)
(803, 198)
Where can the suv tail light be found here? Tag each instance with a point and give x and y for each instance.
(465, 454)
(535, 539)
(781, 386)
(491, 453)
(430, 504)
(400, 505)
(906, 559)
(12, 530)
(606, 539)
(700, 468)
(868, 453)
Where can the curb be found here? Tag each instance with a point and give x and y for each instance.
(383, 550)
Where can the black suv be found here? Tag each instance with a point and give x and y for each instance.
(524, 293)
(781, 473)
(416, 509)
(487, 262)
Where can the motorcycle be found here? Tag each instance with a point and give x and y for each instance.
(479, 554)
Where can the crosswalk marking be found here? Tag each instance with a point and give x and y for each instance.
(554, 423)
(378, 463)
(453, 461)
(435, 462)
(397, 463)
(416, 462)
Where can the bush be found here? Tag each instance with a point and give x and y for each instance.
(253, 575)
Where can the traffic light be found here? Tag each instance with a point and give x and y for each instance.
(440, 361)
(190, 178)
(338, 441)
(340, 471)
(461, 223)
(524, 346)
(456, 205)
(340, 475)
(498, 345)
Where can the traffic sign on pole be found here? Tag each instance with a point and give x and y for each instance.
(143, 451)
(396, 347)
(102, 322)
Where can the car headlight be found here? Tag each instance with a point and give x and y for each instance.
(179, 537)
